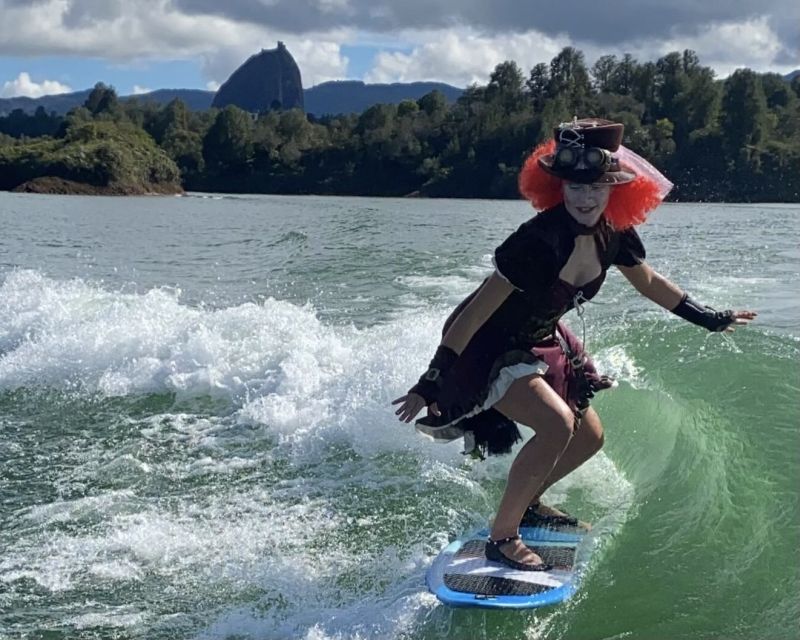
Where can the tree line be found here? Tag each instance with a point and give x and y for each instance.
(736, 139)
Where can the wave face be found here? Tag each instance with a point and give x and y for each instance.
(199, 443)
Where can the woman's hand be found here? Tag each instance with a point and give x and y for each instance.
(740, 319)
(489, 296)
(411, 405)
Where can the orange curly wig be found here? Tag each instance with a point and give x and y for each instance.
(628, 204)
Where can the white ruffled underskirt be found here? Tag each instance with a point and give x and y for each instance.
(499, 387)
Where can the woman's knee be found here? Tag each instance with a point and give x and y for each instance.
(565, 429)
(597, 440)
(592, 430)
(558, 412)
(532, 402)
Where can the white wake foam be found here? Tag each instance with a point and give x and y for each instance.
(307, 427)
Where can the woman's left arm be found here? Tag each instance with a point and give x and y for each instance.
(660, 290)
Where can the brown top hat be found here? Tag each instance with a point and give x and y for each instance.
(585, 152)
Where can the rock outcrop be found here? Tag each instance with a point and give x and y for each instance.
(59, 186)
(96, 157)
(268, 80)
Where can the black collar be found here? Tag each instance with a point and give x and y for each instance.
(576, 227)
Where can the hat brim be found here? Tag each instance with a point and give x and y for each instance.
(585, 176)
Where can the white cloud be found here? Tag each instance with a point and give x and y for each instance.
(24, 86)
(319, 59)
(138, 90)
(731, 45)
(227, 34)
(723, 46)
(333, 6)
(155, 30)
(604, 23)
(213, 85)
(461, 56)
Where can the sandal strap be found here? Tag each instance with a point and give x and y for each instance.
(493, 554)
(531, 514)
(499, 543)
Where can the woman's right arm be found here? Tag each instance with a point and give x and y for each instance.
(480, 308)
(487, 300)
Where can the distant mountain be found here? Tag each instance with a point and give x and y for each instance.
(60, 103)
(195, 99)
(340, 96)
(791, 76)
(353, 96)
(267, 80)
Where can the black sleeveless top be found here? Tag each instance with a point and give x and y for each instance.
(531, 259)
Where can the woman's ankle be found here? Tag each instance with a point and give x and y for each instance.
(503, 533)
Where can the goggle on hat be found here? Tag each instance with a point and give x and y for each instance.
(585, 152)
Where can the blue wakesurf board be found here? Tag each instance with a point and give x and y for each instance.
(461, 576)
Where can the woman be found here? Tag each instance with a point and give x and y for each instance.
(505, 358)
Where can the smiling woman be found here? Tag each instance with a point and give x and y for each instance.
(586, 202)
(505, 358)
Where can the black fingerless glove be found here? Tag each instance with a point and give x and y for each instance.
(702, 315)
(587, 384)
(431, 381)
(584, 391)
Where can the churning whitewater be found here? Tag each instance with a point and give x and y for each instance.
(196, 437)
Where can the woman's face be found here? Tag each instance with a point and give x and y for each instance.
(586, 202)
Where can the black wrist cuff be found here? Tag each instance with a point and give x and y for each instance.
(443, 359)
(701, 315)
(431, 381)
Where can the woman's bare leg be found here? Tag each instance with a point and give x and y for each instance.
(532, 402)
(586, 442)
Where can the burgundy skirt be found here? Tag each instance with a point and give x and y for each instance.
(479, 378)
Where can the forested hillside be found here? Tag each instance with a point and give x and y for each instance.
(736, 139)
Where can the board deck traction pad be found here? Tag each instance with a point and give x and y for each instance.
(462, 576)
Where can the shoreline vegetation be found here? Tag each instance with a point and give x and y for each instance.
(732, 140)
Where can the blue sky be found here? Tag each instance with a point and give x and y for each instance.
(81, 73)
(51, 46)
(132, 77)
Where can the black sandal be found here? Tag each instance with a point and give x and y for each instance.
(532, 518)
(493, 553)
